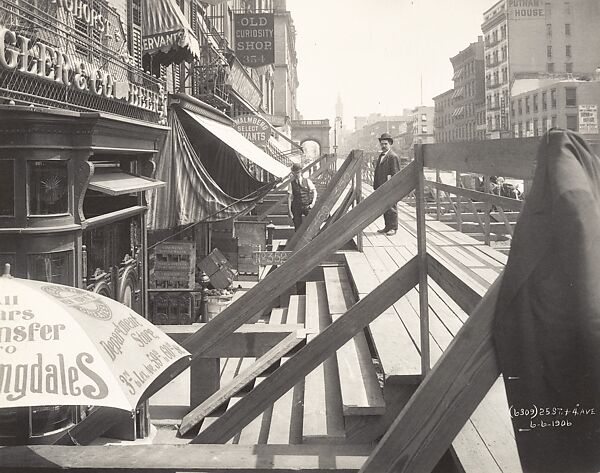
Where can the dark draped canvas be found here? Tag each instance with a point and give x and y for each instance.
(192, 194)
(547, 320)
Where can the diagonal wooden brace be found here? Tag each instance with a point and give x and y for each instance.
(445, 400)
(240, 311)
(321, 348)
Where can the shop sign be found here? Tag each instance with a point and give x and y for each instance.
(588, 119)
(52, 64)
(526, 9)
(254, 128)
(254, 38)
(83, 12)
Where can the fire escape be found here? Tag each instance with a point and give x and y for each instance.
(211, 72)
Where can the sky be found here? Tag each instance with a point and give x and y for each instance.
(376, 54)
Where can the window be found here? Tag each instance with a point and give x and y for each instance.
(567, 29)
(424, 128)
(535, 103)
(7, 187)
(570, 96)
(572, 122)
(512, 108)
(520, 106)
(568, 67)
(423, 117)
(549, 30)
(548, 7)
(550, 67)
(568, 50)
(504, 75)
(51, 267)
(544, 101)
(553, 123)
(520, 133)
(527, 108)
(553, 98)
(549, 52)
(48, 187)
(536, 131)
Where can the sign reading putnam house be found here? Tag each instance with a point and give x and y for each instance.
(254, 128)
(254, 38)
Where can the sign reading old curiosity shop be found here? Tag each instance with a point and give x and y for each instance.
(254, 39)
(254, 128)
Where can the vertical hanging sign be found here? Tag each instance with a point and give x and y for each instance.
(255, 38)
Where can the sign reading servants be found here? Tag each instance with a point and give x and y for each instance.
(254, 38)
(254, 128)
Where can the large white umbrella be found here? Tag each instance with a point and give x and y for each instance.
(61, 345)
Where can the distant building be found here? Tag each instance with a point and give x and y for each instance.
(442, 118)
(535, 39)
(469, 92)
(422, 125)
(570, 104)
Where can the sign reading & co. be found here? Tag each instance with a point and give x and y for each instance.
(50, 63)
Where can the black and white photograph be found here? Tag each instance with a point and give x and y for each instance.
(299, 236)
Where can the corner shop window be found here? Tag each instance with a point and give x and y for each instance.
(7, 187)
(48, 187)
(51, 267)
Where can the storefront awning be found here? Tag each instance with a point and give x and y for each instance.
(116, 182)
(233, 139)
(458, 112)
(166, 34)
(458, 92)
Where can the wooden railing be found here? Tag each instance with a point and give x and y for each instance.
(513, 158)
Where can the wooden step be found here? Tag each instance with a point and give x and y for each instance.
(398, 355)
(323, 420)
(361, 392)
(283, 232)
(296, 310)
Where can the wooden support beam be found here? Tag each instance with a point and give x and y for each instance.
(254, 301)
(422, 258)
(196, 458)
(505, 220)
(322, 347)
(317, 216)
(195, 416)
(445, 400)
(507, 157)
(249, 340)
(499, 201)
(358, 197)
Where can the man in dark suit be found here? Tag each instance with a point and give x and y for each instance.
(387, 165)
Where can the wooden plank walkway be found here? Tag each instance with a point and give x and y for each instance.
(486, 443)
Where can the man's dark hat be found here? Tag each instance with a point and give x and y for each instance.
(386, 136)
(296, 167)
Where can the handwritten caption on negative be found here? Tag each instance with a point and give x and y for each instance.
(551, 417)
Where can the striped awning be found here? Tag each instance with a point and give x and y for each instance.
(166, 33)
(236, 141)
(458, 112)
(458, 74)
(458, 92)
